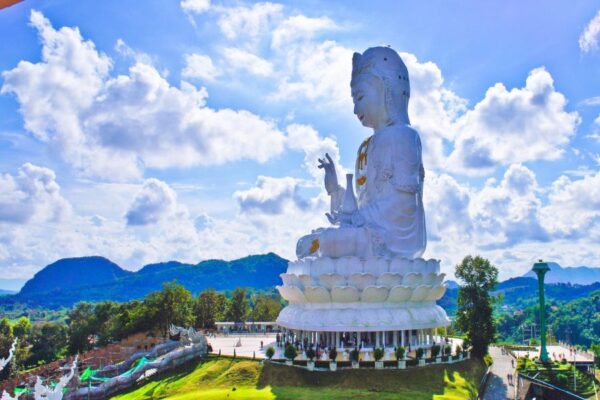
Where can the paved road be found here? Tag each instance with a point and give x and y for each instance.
(497, 386)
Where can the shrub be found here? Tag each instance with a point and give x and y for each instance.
(270, 352)
(333, 354)
(419, 352)
(447, 350)
(378, 354)
(458, 350)
(562, 380)
(310, 353)
(488, 360)
(354, 355)
(290, 352)
(435, 350)
(400, 353)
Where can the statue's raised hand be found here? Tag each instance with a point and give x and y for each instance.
(331, 181)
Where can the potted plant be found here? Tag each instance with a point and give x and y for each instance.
(332, 357)
(270, 353)
(448, 352)
(354, 356)
(419, 352)
(435, 353)
(459, 352)
(400, 356)
(378, 355)
(310, 353)
(290, 353)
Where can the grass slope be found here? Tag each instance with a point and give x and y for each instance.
(220, 378)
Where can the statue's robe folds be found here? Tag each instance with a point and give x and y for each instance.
(389, 183)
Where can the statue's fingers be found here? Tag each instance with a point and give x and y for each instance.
(329, 158)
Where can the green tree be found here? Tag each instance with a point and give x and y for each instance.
(208, 307)
(265, 309)
(49, 342)
(474, 313)
(238, 306)
(171, 305)
(80, 327)
(6, 341)
(22, 328)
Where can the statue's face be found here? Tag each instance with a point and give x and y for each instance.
(369, 105)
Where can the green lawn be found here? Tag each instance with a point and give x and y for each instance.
(243, 379)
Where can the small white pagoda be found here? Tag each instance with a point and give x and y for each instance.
(363, 283)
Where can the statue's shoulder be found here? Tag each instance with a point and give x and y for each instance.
(398, 135)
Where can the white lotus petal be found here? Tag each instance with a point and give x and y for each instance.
(323, 265)
(401, 265)
(436, 293)
(361, 281)
(292, 294)
(419, 265)
(331, 280)
(429, 278)
(317, 294)
(299, 267)
(307, 280)
(290, 280)
(349, 265)
(420, 293)
(439, 279)
(374, 294)
(389, 279)
(345, 294)
(412, 279)
(399, 294)
(376, 266)
(433, 265)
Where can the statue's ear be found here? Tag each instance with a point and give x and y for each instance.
(355, 61)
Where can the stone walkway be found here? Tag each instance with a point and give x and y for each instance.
(497, 387)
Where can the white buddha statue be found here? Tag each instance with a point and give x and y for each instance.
(387, 217)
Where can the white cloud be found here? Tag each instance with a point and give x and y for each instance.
(433, 108)
(532, 119)
(307, 139)
(248, 23)
(574, 207)
(239, 59)
(270, 196)
(154, 202)
(509, 212)
(300, 27)
(199, 66)
(588, 40)
(316, 71)
(446, 208)
(114, 127)
(195, 6)
(32, 195)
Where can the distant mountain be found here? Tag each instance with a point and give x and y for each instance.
(522, 292)
(6, 292)
(575, 275)
(69, 281)
(69, 273)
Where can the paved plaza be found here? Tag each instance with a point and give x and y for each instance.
(249, 345)
(557, 353)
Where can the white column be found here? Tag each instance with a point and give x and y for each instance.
(402, 338)
(383, 339)
(395, 338)
(337, 340)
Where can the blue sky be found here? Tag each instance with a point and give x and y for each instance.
(190, 130)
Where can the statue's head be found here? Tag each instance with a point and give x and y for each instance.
(380, 87)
